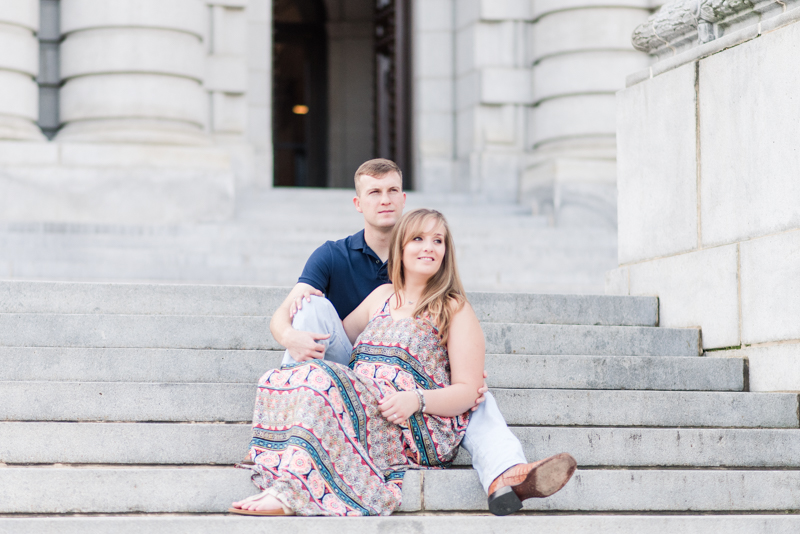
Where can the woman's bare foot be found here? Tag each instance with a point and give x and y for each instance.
(261, 504)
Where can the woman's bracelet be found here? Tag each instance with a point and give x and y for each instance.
(421, 399)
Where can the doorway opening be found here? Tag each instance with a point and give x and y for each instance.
(342, 85)
(300, 93)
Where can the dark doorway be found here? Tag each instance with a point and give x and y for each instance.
(300, 95)
(393, 85)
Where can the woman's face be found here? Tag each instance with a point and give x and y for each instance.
(423, 255)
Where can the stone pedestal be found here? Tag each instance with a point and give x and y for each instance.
(132, 71)
(115, 183)
(708, 195)
(19, 65)
(580, 53)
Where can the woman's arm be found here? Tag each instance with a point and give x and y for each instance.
(356, 322)
(467, 349)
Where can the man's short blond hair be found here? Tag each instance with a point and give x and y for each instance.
(378, 168)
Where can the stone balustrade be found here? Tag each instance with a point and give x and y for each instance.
(133, 71)
(19, 66)
(683, 24)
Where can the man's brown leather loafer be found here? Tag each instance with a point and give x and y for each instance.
(525, 481)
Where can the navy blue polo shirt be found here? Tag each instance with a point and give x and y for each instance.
(346, 271)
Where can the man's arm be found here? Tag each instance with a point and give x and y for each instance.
(301, 345)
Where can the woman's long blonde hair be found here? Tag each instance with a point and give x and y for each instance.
(442, 288)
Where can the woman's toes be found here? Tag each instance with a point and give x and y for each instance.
(267, 503)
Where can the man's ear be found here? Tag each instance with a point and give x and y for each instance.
(357, 204)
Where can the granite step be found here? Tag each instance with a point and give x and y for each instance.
(226, 444)
(401, 523)
(252, 333)
(181, 299)
(135, 401)
(40, 490)
(246, 366)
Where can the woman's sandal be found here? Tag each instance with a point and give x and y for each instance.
(255, 498)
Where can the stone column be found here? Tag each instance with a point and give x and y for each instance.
(132, 71)
(580, 53)
(19, 65)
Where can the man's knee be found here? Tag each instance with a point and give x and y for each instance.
(313, 314)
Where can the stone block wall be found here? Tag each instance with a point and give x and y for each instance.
(709, 162)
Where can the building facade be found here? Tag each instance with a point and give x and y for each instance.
(159, 111)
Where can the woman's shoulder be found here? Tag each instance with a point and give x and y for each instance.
(382, 292)
(459, 304)
(378, 296)
(461, 311)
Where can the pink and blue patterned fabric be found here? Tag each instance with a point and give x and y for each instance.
(319, 439)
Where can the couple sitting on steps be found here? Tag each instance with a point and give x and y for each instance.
(384, 375)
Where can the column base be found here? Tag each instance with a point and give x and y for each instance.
(133, 131)
(572, 191)
(19, 129)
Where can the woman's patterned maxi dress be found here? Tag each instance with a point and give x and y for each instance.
(319, 439)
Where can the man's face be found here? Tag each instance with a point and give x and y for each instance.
(381, 200)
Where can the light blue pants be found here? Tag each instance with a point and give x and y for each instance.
(492, 445)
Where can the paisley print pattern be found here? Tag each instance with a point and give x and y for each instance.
(318, 435)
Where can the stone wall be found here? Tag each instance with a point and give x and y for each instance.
(709, 193)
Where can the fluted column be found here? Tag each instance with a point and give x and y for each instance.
(132, 71)
(580, 52)
(19, 65)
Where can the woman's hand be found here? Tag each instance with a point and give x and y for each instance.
(481, 392)
(397, 407)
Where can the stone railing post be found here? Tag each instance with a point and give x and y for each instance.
(19, 65)
(133, 70)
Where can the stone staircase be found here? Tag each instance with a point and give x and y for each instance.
(500, 246)
(124, 406)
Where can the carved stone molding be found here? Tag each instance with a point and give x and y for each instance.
(682, 24)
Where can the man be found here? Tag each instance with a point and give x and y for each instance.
(346, 271)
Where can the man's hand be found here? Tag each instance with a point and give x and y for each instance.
(303, 346)
(481, 392)
(298, 302)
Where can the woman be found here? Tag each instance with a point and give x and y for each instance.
(335, 440)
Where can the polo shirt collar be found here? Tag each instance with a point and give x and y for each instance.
(357, 242)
